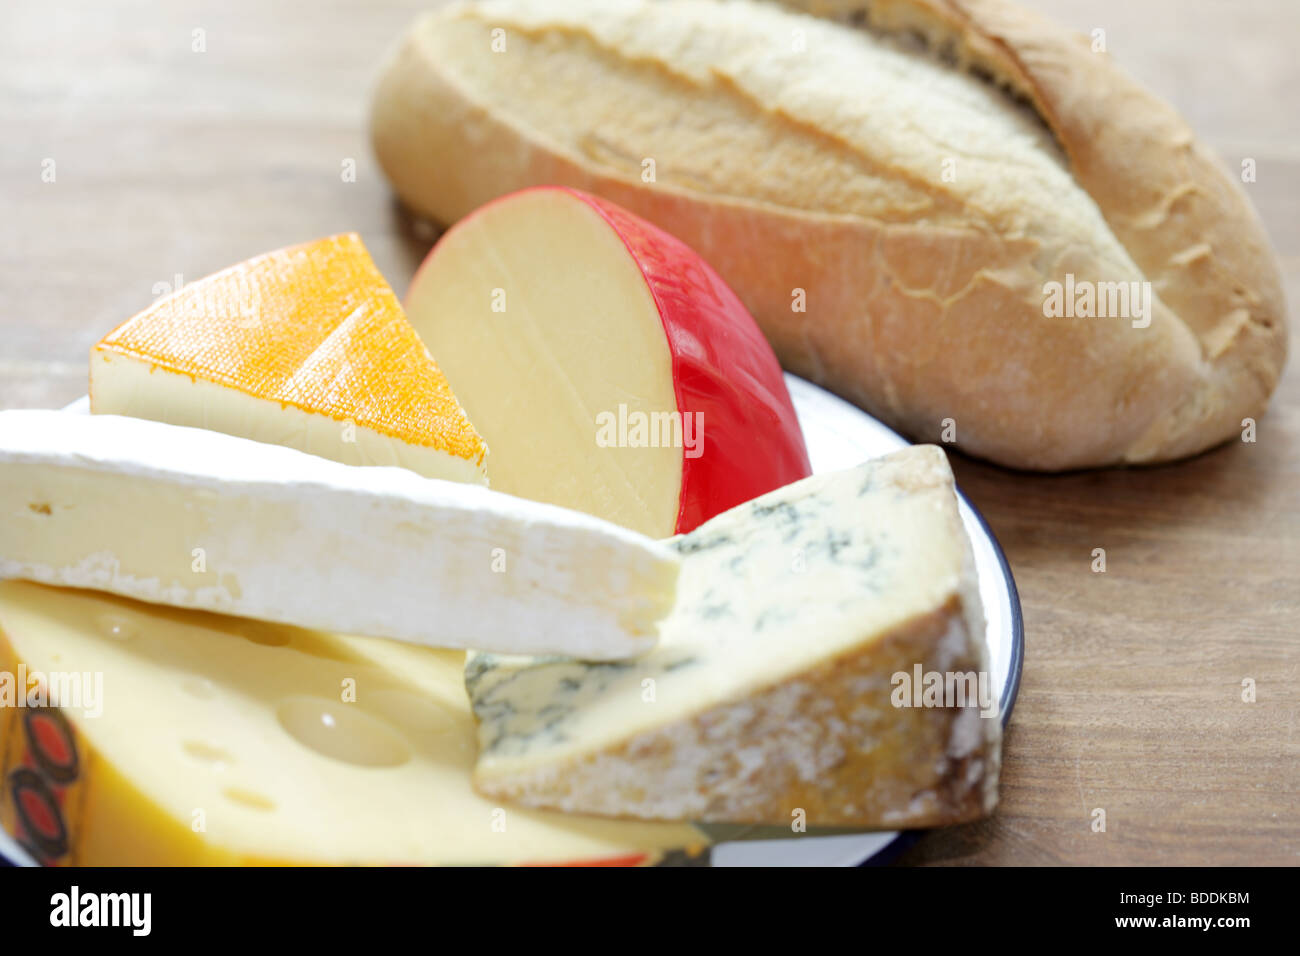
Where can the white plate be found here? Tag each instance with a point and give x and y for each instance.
(841, 436)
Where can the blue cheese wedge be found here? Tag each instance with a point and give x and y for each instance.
(781, 687)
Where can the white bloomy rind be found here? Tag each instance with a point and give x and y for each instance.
(198, 519)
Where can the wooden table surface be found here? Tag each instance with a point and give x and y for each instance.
(169, 161)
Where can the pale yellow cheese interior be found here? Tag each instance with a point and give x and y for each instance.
(579, 335)
(246, 722)
(126, 385)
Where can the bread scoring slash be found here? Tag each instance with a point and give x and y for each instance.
(896, 216)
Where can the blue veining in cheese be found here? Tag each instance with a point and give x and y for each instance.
(771, 596)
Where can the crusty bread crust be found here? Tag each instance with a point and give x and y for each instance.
(921, 321)
(1186, 222)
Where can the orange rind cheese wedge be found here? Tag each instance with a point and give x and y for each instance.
(306, 347)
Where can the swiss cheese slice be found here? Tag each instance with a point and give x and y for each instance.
(150, 736)
(774, 687)
(306, 347)
(193, 518)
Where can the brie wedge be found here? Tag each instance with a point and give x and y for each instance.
(199, 519)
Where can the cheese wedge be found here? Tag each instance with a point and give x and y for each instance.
(608, 366)
(774, 691)
(306, 347)
(151, 736)
(193, 518)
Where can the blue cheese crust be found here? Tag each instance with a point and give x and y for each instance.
(770, 692)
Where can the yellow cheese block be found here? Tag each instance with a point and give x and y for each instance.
(306, 347)
(136, 734)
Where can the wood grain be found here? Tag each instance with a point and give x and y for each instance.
(170, 161)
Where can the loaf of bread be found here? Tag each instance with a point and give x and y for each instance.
(950, 212)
